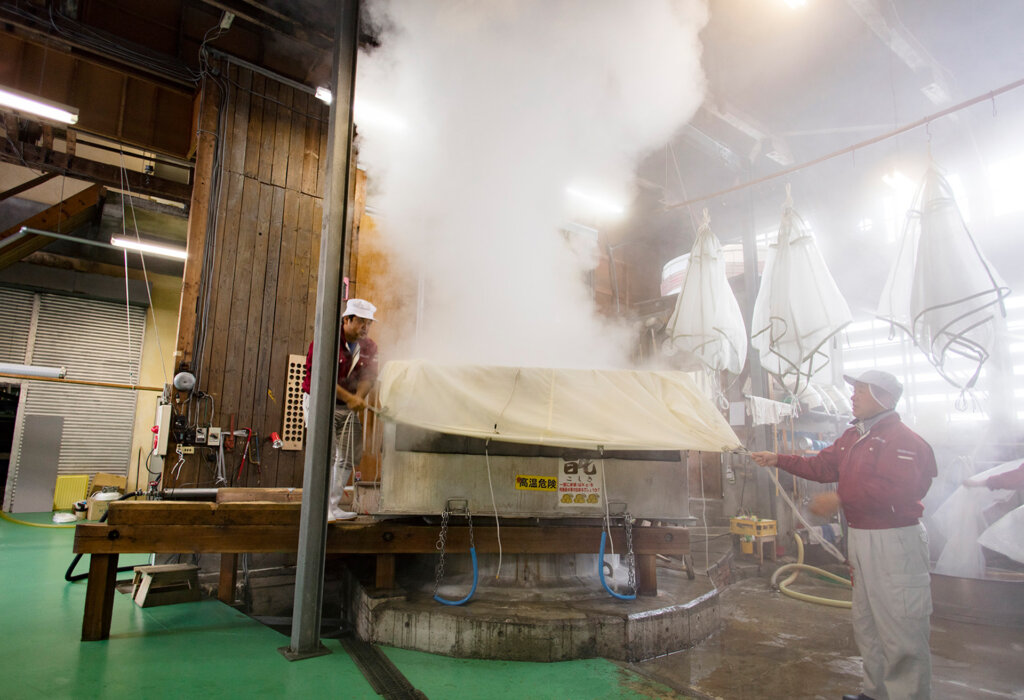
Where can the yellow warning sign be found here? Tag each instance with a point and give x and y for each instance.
(536, 483)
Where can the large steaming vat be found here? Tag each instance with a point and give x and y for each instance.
(980, 601)
(533, 442)
(557, 446)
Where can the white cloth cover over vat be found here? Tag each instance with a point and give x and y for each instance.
(585, 408)
(707, 322)
(798, 307)
(941, 289)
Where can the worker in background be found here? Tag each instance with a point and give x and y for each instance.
(884, 469)
(357, 371)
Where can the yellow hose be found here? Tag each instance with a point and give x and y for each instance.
(800, 566)
(5, 516)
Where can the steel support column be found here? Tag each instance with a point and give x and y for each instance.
(309, 579)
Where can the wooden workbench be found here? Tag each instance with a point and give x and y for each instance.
(169, 527)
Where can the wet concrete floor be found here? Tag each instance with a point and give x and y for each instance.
(773, 646)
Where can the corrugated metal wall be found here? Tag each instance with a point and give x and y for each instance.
(15, 318)
(96, 341)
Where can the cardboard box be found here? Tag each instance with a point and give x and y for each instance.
(103, 479)
(96, 507)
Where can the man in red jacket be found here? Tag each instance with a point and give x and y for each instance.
(357, 371)
(884, 469)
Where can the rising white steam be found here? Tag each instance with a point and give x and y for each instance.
(496, 109)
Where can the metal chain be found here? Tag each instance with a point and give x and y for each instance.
(439, 545)
(630, 556)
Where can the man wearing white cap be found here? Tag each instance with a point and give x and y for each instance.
(357, 371)
(884, 469)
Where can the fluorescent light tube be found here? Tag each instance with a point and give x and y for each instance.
(23, 102)
(151, 248)
(33, 371)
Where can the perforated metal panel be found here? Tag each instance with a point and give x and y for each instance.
(293, 431)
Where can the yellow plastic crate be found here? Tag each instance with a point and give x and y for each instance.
(751, 527)
(69, 490)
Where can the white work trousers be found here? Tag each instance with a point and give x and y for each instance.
(892, 604)
(348, 450)
(348, 447)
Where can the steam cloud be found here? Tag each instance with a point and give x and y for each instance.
(503, 106)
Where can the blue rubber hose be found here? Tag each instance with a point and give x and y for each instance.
(600, 570)
(476, 575)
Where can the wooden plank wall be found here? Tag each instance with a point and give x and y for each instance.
(265, 271)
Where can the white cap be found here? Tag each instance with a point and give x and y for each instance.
(877, 379)
(360, 308)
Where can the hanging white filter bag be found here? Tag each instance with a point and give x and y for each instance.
(798, 307)
(941, 289)
(1004, 536)
(961, 521)
(707, 323)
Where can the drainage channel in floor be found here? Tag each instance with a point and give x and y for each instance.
(380, 672)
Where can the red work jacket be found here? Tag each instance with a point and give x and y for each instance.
(349, 376)
(882, 475)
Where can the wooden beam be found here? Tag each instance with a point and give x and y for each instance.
(264, 17)
(646, 574)
(385, 574)
(198, 223)
(251, 495)
(62, 262)
(62, 217)
(99, 597)
(228, 576)
(367, 538)
(233, 528)
(26, 186)
(32, 156)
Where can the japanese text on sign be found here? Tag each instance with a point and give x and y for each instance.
(536, 483)
(579, 483)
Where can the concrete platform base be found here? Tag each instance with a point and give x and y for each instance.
(570, 620)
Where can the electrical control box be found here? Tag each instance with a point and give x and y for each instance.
(213, 437)
(163, 424)
(200, 436)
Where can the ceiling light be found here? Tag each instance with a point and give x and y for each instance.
(323, 94)
(599, 204)
(23, 102)
(151, 248)
(897, 180)
(794, 4)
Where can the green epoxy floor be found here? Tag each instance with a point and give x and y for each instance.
(209, 650)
